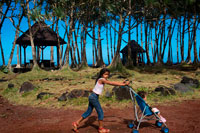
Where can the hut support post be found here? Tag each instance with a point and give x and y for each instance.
(38, 50)
(24, 56)
(58, 57)
(20, 49)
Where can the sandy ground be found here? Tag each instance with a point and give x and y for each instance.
(181, 117)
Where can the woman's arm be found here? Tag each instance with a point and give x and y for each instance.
(115, 83)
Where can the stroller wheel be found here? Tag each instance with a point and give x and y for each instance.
(135, 131)
(165, 129)
(158, 124)
(130, 125)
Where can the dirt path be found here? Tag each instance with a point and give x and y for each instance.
(181, 118)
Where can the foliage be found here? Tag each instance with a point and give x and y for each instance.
(4, 69)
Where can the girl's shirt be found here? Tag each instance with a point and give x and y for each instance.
(98, 88)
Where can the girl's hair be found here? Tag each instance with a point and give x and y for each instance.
(102, 71)
(142, 94)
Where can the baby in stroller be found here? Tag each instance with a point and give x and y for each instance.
(143, 95)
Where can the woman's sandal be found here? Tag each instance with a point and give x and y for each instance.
(75, 126)
(104, 130)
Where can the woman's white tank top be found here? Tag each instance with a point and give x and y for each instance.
(98, 88)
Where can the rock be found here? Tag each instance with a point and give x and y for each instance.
(188, 68)
(197, 74)
(78, 93)
(74, 94)
(42, 94)
(121, 92)
(165, 91)
(63, 97)
(182, 88)
(190, 82)
(26, 87)
(108, 94)
(10, 85)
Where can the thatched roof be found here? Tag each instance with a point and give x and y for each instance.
(43, 36)
(135, 48)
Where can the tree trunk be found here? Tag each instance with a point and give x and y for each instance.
(93, 45)
(76, 43)
(182, 36)
(59, 48)
(111, 45)
(2, 54)
(129, 61)
(107, 45)
(170, 39)
(66, 57)
(146, 43)
(116, 62)
(161, 40)
(141, 33)
(177, 48)
(156, 42)
(166, 40)
(100, 62)
(115, 34)
(14, 43)
(52, 48)
(194, 40)
(1, 24)
(152, 47)
(31, 37)
(83, 57)
(189, 43)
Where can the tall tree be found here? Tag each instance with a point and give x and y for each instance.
(3, 16)
(20, 16)
(31, 35)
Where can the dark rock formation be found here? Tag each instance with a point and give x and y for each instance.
(26, 87)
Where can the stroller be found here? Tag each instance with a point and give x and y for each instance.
(144, 114)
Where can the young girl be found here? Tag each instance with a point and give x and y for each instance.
(94, 100)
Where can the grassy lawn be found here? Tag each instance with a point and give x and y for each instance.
(60, 81)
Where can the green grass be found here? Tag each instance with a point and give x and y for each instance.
(143, 79)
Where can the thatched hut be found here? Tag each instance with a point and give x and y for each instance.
(43, 36)
(136, 51)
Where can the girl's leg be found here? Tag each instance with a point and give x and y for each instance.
(100, 113)
(84, 115)
(100, 123)
(101, 129)
(79, 120)
(89, 110)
